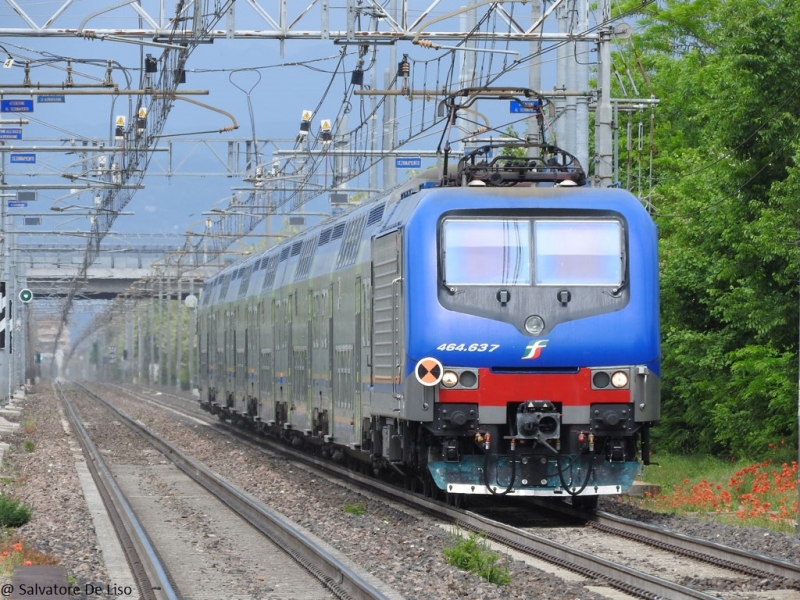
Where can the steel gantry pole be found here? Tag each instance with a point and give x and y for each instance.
(604, 174)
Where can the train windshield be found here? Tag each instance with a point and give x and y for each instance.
(540, 251)
(578, 252)
(486, 252)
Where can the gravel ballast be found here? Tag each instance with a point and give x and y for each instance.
(403, 550)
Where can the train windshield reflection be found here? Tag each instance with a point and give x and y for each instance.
(578, 253)
(487, 252)
(565, 252)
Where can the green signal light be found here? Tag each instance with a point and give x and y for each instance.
(25, 295)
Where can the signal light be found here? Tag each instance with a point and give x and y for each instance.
(25, 295)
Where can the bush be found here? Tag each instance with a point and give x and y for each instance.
(13, 512)
(473, 554)
(29, 446)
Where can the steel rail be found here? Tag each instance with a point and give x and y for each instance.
(754, 564)
(339, 578)
(627, 579)
(151, 576)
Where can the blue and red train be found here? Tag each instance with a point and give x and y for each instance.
(492, 332)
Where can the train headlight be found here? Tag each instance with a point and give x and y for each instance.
(601, 379)
(534, 324)
(449, 379)
(619, 379)
(468, 379)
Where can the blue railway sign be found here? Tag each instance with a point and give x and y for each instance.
(525, 106)
(408, 163)
(10, 133)
(24, 157)
(50, 99)
(14, 204)
(14, 106)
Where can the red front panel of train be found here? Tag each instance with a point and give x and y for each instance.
(567, 389)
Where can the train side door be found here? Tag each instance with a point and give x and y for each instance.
(357, 365)
(331, 369)
(266, 376)
(387, 318)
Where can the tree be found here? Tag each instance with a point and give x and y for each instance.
(727, 207)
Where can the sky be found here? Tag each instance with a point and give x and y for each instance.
(264, 85)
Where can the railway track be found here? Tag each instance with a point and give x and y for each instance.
(720, 563)
(334, 576)
(149, 572)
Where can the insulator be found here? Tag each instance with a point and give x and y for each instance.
(403, 67)
(425, 43)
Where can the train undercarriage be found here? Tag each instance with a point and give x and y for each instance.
(453, 458)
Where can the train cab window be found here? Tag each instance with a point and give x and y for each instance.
(578, 252)
(487, 252)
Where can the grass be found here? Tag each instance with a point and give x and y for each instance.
(29, 425)
(741, 492)
(474, 554)
(30, 446)
(355, 509)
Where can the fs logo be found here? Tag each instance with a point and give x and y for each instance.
(534, 349)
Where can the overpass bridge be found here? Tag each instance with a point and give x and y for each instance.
(49, 271)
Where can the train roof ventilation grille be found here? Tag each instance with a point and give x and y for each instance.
(244, 275)
(306, 257)
(352, 241)
(285, 253)
(375, 215)
(264, 261)
(338, 231)
(325, 237)
(272, 269)
(296, 248)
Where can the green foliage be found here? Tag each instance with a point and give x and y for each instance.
(513, 136)
(355, 509)
(728, 208)
(29, 446)
(473, 554)
(13, 512)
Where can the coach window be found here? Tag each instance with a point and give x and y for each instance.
(578, 252)
(487, 252)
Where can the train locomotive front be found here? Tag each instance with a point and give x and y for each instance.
(492, 339)
(530, 326)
